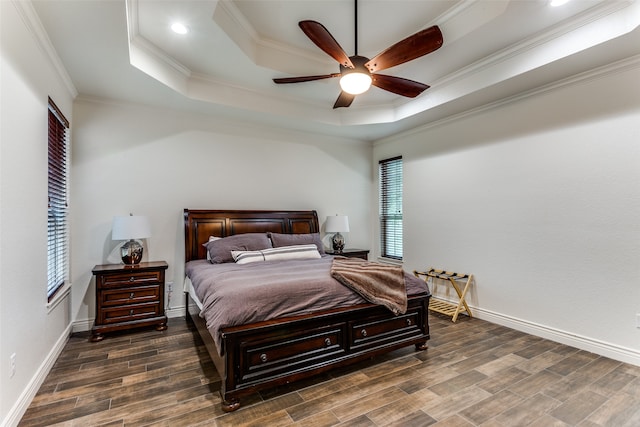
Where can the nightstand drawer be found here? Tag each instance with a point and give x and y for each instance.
(137, 295)
(129, 313)
(128, 279)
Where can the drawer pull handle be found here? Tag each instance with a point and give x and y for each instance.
(408, 322)
(132, 279)
(131, 295)
(327, 341)
(130, 312)
(263, 357)
(363, 332)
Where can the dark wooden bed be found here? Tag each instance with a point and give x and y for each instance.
(269, 353)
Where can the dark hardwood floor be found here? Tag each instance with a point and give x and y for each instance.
(473, 374)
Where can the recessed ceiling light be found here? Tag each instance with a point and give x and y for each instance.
(555, 3)
(179, 28)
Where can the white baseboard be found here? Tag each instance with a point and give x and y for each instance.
(82, 325)
(176, 312)
(602, 348)
(22, 404)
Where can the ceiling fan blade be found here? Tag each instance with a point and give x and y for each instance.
(398, 85)
(304, 78)
(325, 41)
(344, 100)
(415, 46)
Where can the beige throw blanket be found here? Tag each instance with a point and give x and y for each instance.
(377, 283)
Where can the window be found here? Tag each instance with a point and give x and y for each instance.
(390, 174)
(57, 240)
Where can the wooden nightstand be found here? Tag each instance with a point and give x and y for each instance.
(351, 253)
(129, 297)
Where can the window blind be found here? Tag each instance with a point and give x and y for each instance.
(57, 239)
(390, 178)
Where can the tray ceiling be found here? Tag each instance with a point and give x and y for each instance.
(492, 50)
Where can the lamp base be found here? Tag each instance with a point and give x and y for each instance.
(131, 252)
(338, 242)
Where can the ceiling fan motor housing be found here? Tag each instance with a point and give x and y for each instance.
(358, 64)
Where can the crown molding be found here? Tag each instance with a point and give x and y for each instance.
(581, 78)
(34, 25)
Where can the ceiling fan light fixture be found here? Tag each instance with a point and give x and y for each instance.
(355, 83)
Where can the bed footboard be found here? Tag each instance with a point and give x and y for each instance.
(271, 353)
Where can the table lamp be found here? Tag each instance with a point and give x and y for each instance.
(336, 224)
(131, 228)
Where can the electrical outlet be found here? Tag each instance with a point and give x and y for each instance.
(170, 286)
(12, 362)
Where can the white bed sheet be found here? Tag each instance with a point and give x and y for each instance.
(188, 287)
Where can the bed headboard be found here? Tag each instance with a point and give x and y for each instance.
(200, 224)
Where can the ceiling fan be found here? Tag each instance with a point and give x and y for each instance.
(358, 73)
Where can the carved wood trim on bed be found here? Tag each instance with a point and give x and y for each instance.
(269, 353)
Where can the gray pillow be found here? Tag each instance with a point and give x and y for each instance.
(220, 250)
(280, 240)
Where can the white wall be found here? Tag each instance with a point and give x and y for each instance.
(154, 162)
(28, 327)
(540, 200)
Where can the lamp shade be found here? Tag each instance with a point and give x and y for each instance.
(337, 224)
(130, 227)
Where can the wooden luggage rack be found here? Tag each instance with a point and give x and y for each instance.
(456, 279)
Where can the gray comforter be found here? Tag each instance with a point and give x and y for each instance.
(234, 294)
